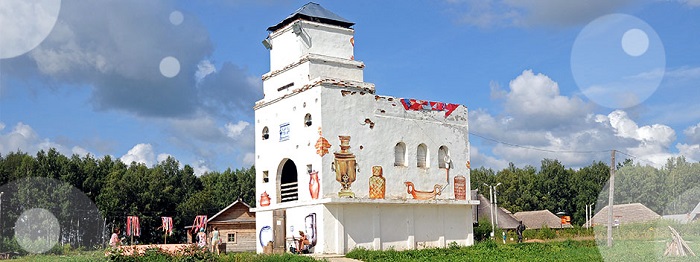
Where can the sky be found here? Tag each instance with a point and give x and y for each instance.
(144, 80)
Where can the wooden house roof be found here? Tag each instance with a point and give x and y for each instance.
(506, 220)
(626, 213)
(539, 218)
(237, 212)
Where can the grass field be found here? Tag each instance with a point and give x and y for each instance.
(556, 250)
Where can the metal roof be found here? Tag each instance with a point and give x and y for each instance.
(313, 12)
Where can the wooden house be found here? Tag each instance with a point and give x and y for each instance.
(236, 224)
(539, 219)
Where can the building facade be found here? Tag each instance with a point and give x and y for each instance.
(348, 167)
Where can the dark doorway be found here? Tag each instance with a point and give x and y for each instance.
(289, 188)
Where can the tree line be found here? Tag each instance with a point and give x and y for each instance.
(671, 189)
(68, 186)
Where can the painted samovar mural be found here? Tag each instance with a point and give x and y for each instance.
(345, 167)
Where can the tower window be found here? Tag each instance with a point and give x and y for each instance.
(400, 154)
(266, 177)
(422, 156)
(307, 120)
(443, 157)
(265, 133)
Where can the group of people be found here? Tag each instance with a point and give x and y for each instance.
(215, 240)
(114, 240)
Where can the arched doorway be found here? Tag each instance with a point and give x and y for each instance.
(288, 182)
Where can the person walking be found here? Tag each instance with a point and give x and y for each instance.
(519, 230)
(215, 241)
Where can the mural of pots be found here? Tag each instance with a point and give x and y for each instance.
(377, 183)
(264, 199)
(314, 185)
(344, 166)
(460, 187)
(422, 195)
(265, 235)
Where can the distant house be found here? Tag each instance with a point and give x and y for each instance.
(506, 220)
(685, 218)
(626, 214)
(540, 218)
(236, 224)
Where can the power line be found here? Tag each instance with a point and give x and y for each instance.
(541, 149)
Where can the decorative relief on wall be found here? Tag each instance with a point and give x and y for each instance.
(422, 195)
(314, 184)
(322, 144)
(284, 132)
(377, 183)
(310, 226)
(469, 165)
(344, 167)
(264, 199)
(417, 105)
(460, 186)
(265, 235)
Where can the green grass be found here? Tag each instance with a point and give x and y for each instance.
(490, 251)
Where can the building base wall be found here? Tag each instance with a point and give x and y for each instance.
(341, 227)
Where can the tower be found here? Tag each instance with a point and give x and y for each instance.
(345, 166)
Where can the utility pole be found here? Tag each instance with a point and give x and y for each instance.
(491, 207)
(611, 197)
(495, 202)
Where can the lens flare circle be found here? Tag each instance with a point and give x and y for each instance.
(25, 24)
(169, 67)
(37, 230)
(618, 61)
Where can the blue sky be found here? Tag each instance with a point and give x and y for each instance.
(561, 79)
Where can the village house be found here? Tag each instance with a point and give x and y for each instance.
(348, 167)
(236, 225)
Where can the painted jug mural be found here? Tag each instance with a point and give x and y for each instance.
(377, 183)
(460, 187)
(314, 185)
(344, 167)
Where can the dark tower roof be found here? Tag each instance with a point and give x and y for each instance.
(313, 12)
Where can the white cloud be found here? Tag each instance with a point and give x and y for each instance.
(534, 12)
(235, 130)
(204, 68)
(82, 152)
(140, 153)
(249, 159)
(200, 168)
(540, 123)
(693, 133)
(535, 103)
(21, 137)
(162, 157)
(691, 3)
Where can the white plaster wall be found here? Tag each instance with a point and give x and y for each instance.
(398, 227)
(346, 114)
(270, 153)
(316, 38)
(314, 67)
(262, 219)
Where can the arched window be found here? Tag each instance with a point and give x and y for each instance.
(400, 154)
(307, 120)
(443, 157)
(265, 133)
(288, 182)
(422, 156)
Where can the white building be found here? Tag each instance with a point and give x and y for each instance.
(420, 149)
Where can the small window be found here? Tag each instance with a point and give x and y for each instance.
(309, 168)
(307, 120)
(265, 133)
(422, 156)
(266, 177)
(232, 237)
(400, 154)
(443, 157)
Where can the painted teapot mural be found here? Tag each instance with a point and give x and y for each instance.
(345, 167)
